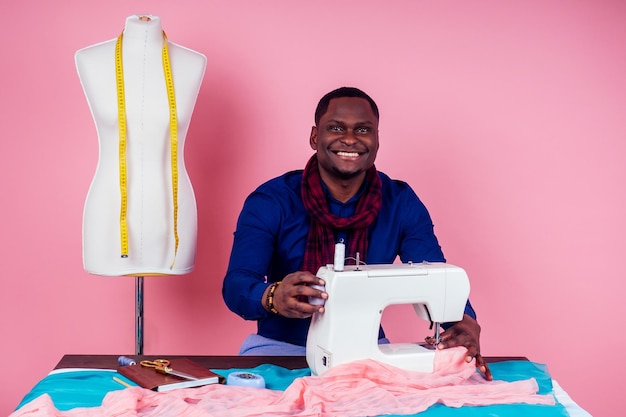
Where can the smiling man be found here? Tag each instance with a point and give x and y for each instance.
(345, 137)
(289, 226)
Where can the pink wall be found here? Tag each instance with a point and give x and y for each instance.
(508, 120)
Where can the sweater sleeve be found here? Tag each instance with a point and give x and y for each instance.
(252, 251)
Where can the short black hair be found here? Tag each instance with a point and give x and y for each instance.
(322, 106)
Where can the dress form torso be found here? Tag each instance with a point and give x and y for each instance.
(150, 211)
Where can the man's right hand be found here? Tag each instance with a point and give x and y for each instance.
(292, 295)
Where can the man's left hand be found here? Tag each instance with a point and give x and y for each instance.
(466, 333)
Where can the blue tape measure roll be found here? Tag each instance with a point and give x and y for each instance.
(245, 379)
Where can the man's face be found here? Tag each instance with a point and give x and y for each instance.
(346, 138)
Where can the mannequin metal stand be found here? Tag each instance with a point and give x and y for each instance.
(139, 315)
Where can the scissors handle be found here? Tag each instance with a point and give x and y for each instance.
(157, 363)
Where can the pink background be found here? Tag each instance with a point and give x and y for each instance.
(507, 118)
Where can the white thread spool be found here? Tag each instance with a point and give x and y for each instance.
(340, 256)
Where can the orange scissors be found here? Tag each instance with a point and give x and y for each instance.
(163, 366)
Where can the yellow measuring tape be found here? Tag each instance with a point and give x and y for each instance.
(121, 110)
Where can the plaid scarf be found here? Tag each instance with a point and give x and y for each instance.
(320, 245)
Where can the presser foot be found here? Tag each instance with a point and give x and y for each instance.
(428, 345)
(434, 340)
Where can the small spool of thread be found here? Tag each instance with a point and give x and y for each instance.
(340, 256)
(317, 301)
(245, 379)
(125, 361)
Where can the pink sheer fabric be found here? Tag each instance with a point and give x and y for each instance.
(360, 388)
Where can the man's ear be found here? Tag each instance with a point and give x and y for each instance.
(313, 138)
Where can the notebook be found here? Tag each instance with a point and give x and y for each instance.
(152, 379)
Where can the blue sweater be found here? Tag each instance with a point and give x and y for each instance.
(271, 235)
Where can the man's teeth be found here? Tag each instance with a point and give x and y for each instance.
(348, 154)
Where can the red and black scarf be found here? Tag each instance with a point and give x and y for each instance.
(320, 245)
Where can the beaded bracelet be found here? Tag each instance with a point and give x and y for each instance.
(269, 301)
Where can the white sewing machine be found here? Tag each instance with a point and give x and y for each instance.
(357, 296)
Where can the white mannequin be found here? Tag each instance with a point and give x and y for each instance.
(151, 242)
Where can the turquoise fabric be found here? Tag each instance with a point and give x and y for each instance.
(87, 389)
(76, 388)
(276, 378)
